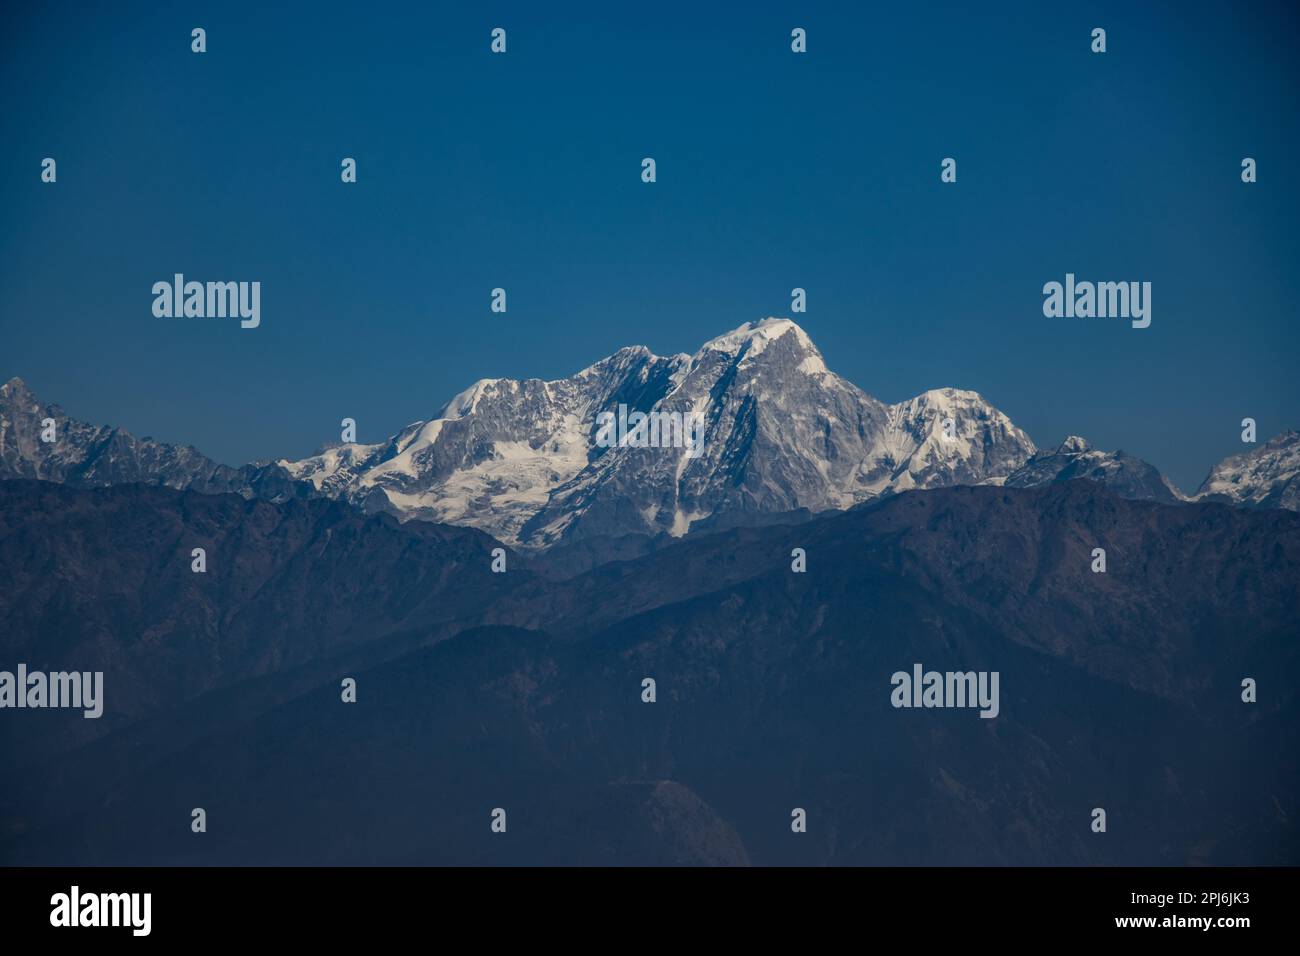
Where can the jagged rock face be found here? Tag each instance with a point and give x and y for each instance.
(780, 433)
(493, 455)
(96, 456)
(1267, 477)
(522, 460)
(1127, 476)
(979, 445)
(90, 456)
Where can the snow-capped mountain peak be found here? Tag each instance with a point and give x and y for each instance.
(777, 431)
(465, 402)
(951, 436)
(780, 432)
(1265, 477)
(749, 340)
(86, 455)
(1074, 458)
(520, 459)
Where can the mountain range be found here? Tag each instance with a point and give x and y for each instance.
(500, 644)
(518, 459)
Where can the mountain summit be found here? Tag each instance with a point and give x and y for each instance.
(1268, 477)
(781, 432)
(74, 453)
(1127, 476)
(773, 431)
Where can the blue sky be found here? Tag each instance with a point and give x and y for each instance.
(774, 171)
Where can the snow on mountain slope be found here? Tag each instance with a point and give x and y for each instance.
(1127, 476)
(781, 432)
(491, 457)
(521, 461)
(981, 444)
(86, 456)
(1266, 477)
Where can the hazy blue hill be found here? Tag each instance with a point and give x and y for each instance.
(1118, 690)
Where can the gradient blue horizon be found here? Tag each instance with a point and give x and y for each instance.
(775, 171)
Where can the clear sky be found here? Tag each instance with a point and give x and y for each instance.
(775, 170)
